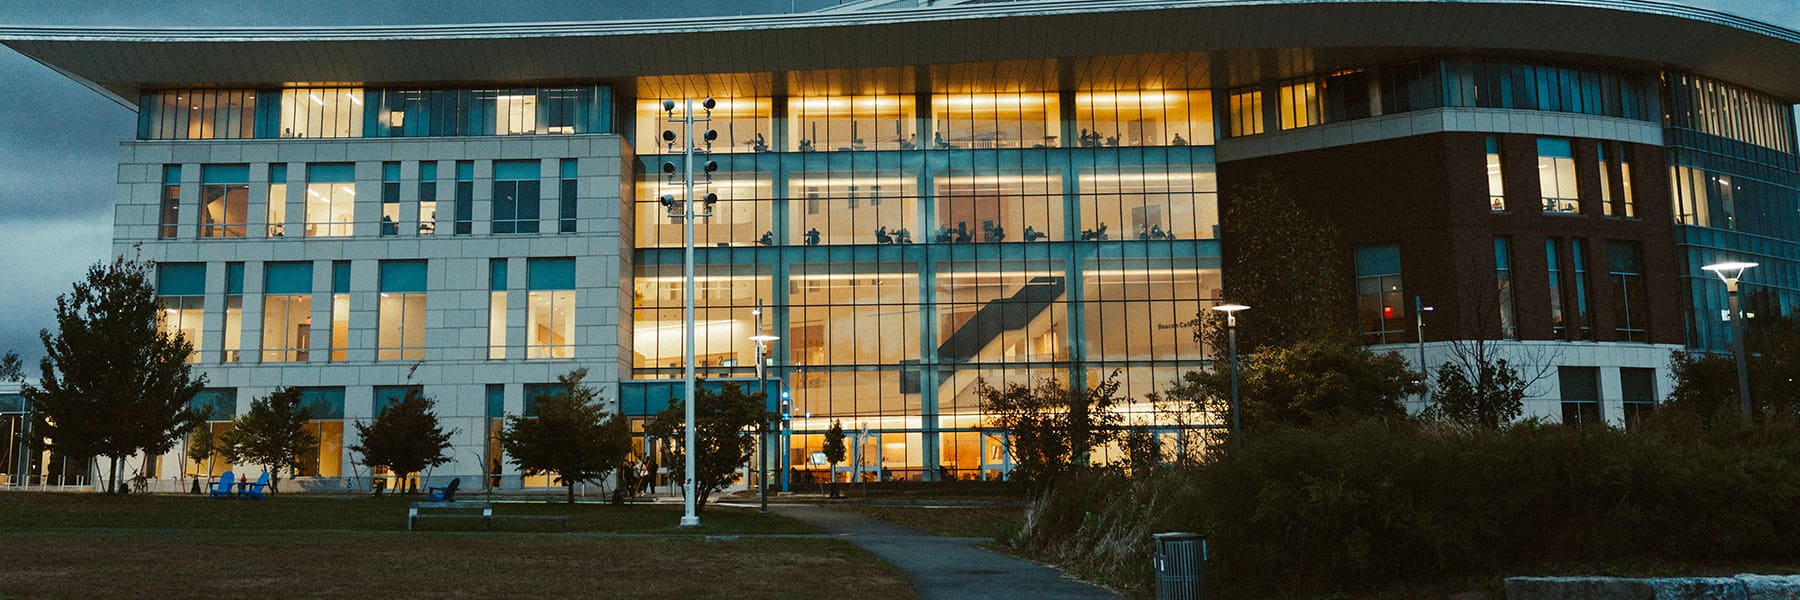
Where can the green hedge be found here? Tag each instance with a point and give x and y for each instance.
(1371, 504)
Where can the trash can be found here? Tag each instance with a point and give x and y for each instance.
(1180, 564)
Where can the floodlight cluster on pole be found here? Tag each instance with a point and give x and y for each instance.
(1730, 273)
(685, 210)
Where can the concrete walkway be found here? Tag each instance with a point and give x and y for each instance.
(942, 567)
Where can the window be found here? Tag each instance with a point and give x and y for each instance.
(321, 112)
(551, 320)
(1631, 314)
(287, 311)
(1509, 325)
(181, 293)
(497, 309)
(1556, 176)
(340, 311)
(496, 421)
(565, 214)
(1606, 196)
(1638, 387)
(401, 335)
(465, 197)
(224, 200)
(277, 200)
(1625, 186)
(330, 200)
(428, 198)
(1142, 118)
(325, 457)
(234, 311)
(1300, 105)
(1580, 395)
(1495, 180)
(1246, 113)
(219, 407)
(390, 198)
(1583, 318)
(197, 114)
(171, 202)
(516, 196)
(1381, 305)
(1558, 327)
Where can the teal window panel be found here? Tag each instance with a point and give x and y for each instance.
(234, 278)
(390, 171)
(389, 395)
(1372, 261)
(550, 273)
(340, 277)
(326, 402)
(287, 278)
(497, 274)
(402, 276)
(465, 170)
(225, 174)
(181, 279)
(428, 171)
(278, 173)
(534, 391)
(1555, 147)
(218, 404)
(171, 174)
(516, 169)
(568, 168)
(331, 173)
(496, 401)
(12, 403)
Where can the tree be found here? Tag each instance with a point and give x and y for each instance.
(1479, 388)
(573, 436)
(1285, 265)
(202, 447)
(272, 434)
(724, 440)
(1051, 428)
(1304, 383)
(11, 368)
(405, 438)
(112, 383)
(834, 451)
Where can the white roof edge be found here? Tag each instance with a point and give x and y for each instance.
(798, 20)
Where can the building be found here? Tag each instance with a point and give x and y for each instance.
(926, 195)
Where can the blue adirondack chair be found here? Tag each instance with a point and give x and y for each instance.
(446, 493)
(223, 489)
(255, 491)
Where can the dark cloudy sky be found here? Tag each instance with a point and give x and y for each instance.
(59, 141)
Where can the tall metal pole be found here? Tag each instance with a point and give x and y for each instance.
(1237, 424)
(1419, 318)
(689, 517)
(1737, 343)
(762, 380)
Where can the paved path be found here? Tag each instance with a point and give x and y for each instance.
(942, 567)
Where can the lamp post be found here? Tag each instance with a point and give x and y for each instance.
(685, 211)
(1419, 310)
(1731, 272)
(1237, 424)
(762, 446)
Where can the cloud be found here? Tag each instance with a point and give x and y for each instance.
(43, 258)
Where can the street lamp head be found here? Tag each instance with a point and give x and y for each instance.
(760, 338)
(1729, 271)
(1231, 311)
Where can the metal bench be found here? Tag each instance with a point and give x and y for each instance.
(487, 515)
(413, 514)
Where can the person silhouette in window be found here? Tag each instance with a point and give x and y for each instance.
(962, 232)
(812, 236)
(902, 236)
(997, 234)
(882, 237)
(1178, 141)
(767, 239)
(1143, 233)
(1157, 233)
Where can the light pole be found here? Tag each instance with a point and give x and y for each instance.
(1731, 272)
(762, 446)
(1237, 424)
(1419, 310)
(684, 210)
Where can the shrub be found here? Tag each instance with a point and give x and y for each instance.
(1372, 504)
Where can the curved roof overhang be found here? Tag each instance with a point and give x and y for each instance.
(1201, 43)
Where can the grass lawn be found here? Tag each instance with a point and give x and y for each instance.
(85, 545)
(953, 521)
